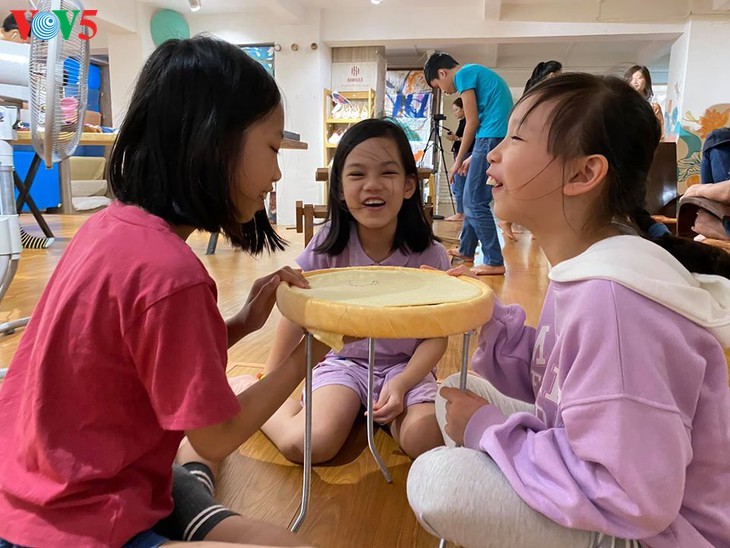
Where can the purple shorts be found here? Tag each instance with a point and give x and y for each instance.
(355, 376)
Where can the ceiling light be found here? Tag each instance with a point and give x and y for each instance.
(376, 2)
(194, 5)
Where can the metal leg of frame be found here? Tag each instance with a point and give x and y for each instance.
(212, 243)
(462, 383)
(307, 479)
(464, 361)
(371, 425)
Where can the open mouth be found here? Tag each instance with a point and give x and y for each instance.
(491, 181)
(374, 202)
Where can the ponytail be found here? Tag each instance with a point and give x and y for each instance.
(695, 256)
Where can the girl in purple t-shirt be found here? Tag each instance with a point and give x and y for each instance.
(375, 217)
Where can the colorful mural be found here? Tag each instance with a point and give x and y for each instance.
(408, 100)
(690, 133)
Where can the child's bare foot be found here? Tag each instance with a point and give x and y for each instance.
(454, 254)
(455, 218)
(506, 228)
(241, 383)
(488, 270)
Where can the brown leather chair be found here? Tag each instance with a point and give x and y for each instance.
(661, 185)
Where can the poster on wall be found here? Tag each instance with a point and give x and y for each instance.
(408, 100)
(354, 76)
(263, 54)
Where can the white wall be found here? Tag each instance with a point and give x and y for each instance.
(707, 78)
(677, 76)
(301, 75)
(127, 53)
(698, 81)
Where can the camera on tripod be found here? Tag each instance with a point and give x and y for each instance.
(439, 117)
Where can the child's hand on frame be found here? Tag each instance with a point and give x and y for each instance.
(262, 297)
(391, 402)
(462, 270)
(460, 407)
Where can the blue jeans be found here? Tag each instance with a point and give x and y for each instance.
(479, 224)
(458, 189)
(715, 166)
(147, 539)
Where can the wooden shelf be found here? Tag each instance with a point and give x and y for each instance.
(357, 95)
(87, 138)
(344, 120)
(294, 145)
(362, 100)
(107, 139)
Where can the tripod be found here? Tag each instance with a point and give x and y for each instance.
(436, 147)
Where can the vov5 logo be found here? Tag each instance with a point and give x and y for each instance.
(47, 24)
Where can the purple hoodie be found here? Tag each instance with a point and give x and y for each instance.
(631, 434)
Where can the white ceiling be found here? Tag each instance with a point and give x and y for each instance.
(227, 6)
(597, 53)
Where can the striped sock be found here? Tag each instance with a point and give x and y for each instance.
(34, 242)
(202, 473)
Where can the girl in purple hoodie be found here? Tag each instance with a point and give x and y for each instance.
(608, 424)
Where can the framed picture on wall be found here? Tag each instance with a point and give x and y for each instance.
(408, 100)
(263, 53)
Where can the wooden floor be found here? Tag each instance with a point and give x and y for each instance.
(350, 505)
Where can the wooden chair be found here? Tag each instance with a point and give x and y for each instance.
(661, 186)
(307, 213)
(688, 208)
(305, 216)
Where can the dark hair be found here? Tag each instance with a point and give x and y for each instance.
(9, 23)
(178, 148)
(542, 71)
(413, 232)
(458, 102)
(604, 115)
(437, 61)
(648, 91)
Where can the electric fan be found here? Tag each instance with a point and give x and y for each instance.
(55, 69)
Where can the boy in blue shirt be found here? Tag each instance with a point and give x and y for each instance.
(487, 105)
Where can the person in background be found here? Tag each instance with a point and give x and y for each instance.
(487, 104)
(458, 185)
(639, 78)
(543, 70)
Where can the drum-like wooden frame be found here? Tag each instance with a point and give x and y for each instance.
(387, 322)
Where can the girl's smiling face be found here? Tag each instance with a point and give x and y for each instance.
(374, 183)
